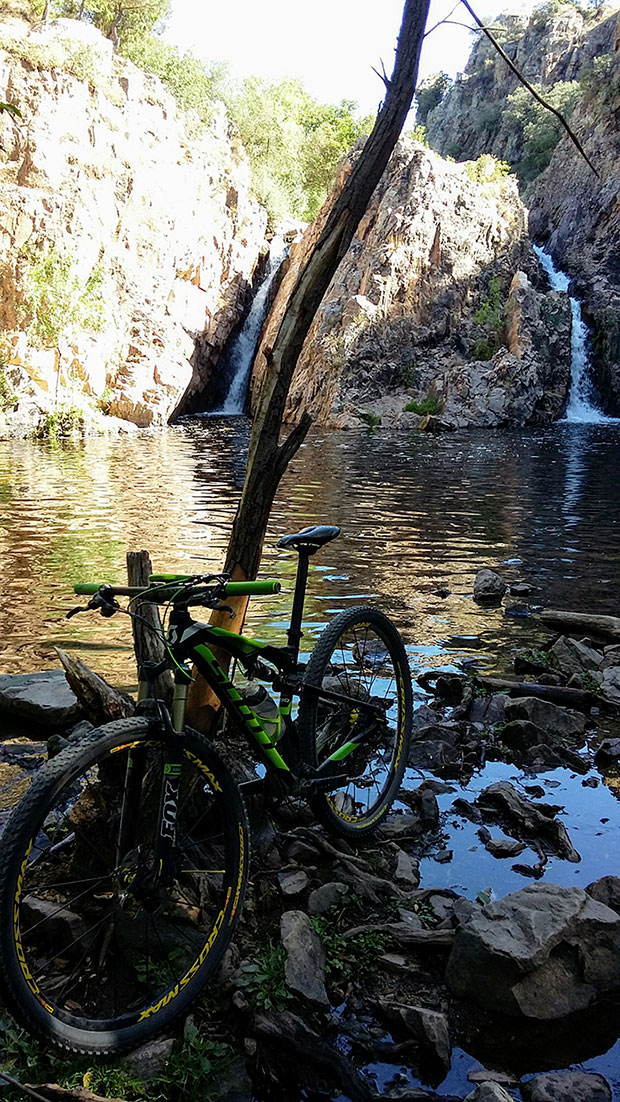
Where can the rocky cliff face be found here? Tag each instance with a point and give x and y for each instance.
(427, 310)
(126, 232)
(572, 210)
(475, 115)
(578, 214)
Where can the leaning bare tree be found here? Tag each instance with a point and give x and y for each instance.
(267, 457)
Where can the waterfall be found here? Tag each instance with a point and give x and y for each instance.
(243, 347)
(581, 406)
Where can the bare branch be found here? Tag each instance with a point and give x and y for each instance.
(382, 75)
(446, 19)
(543, 102)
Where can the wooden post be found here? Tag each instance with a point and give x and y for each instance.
(147, 631)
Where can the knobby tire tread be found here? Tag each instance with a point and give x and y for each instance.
(26, 819)
(314, 674)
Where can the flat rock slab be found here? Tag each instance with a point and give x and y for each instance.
(45, 698)
(545, 952)
(567, 1086)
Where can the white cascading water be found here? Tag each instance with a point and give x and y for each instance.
(581, 406)
(243, 347)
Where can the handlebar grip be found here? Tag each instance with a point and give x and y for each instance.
(249, 589)
(87, 589)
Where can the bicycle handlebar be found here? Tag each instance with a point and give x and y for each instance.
(264, 587)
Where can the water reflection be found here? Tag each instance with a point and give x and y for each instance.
(419, 515)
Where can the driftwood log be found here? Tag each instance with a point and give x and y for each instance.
(100, 701)
(583, 623)
(556, 694)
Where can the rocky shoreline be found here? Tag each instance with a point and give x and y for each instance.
(346, 973)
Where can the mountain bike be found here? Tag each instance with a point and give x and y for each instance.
(124, 867)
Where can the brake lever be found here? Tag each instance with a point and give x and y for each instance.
(226, 608)
(74, 611)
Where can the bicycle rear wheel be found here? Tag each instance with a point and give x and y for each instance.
(360, 656)
(96, 953)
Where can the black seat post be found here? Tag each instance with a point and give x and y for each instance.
(294, 633)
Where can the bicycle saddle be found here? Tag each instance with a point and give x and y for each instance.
(310, 538)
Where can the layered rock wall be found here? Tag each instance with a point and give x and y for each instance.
(418, 311)
(145, 217)
(573, 209)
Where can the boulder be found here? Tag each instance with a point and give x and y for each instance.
(328, 895)
(575, 656)
(428, 1027)
(558, 722)
(43, 698)
(407, 868)
(610, 685)
(607, 891)
(489, 1092)
(149, 1062)
(567, 1086)
(608, 752)
(488, 709)
(304, 968)
(545, 952)
(293, 882)
(488, 586)
(611, 656)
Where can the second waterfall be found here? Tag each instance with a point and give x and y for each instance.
(243, 348)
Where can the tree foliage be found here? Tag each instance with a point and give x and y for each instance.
(293, 142)
(122, 20)
(539, 130)
(429, 94)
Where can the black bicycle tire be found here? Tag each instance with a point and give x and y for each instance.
(22, 828)
(307, 716)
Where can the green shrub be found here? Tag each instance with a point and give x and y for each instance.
(429, 94)
(373, 420)
(490, 315)
(599, 79)
(61, 424)
(418, 134)
(429, 405)
(54, 300)
(487, 169)
(7, 398)
(408, 374)
(540, 131)
(483, 349)
(263, 978)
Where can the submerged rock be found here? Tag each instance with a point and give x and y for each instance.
(488, 586)
(535, 822)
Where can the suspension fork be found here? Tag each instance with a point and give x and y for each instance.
(165, 828)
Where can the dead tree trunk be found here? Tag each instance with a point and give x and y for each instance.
(267, 458)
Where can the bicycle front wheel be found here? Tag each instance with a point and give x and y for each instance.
(365, 727)
(98, 951)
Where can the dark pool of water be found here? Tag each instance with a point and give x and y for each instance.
(418, 514)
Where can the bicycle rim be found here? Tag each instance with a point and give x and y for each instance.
(360, 656)
(101, 955)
